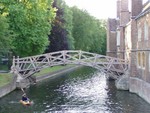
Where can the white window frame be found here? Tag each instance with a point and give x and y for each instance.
(118, 38)
(146, 30)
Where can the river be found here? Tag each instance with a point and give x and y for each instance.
(84, 90)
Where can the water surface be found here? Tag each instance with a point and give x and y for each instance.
(82, 91)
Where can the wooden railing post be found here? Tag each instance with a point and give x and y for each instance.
(103, 63)
(48, 56)
(13, 64)
(64, 57)
(80, 54)
(17, 66)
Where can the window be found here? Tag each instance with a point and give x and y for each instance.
(143, 60)
(146, 30)
(139, 59)
(118, 38)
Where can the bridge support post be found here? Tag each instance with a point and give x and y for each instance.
(122, 83)
(23, 84)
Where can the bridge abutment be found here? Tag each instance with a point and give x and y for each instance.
(140, 87)
(122, 83)
(24, 83)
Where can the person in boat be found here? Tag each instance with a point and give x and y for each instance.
(25, 98)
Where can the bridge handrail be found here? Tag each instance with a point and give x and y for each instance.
(72, 51)
(37, 62)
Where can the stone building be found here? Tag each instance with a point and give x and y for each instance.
(128, 37)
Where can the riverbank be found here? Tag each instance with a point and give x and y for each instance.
(10, 85)
(55, 73)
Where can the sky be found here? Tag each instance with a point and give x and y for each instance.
(101, 9)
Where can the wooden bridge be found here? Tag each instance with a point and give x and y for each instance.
(25, 67)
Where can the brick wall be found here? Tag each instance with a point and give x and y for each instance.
(111, 37)
(136, 7)
(143, 46)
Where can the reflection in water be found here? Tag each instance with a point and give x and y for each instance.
(80, 91)
(87, 95)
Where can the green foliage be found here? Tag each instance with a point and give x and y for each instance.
(68, 25)
(99, 37)
(81, 29)
(30, 21)
(26, 24)
(5, 37)
(89, 33)
(61, 34)
(103, 36)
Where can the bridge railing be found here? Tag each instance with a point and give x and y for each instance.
(29, 65)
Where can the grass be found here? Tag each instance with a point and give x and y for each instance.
(5, 78)
(50, 70)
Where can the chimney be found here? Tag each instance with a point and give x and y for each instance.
(124, 5)
(124, 13)
(136, 7)
(118, 8)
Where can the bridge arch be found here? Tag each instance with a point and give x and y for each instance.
(27, 66)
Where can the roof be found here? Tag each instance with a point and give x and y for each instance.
(145, 10)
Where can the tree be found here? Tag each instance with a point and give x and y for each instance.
(5, 37)
(103, 36)
(30, 21)
(82, 29)
(89, 33)
(68, 25)
(61, 34)
(99, 37)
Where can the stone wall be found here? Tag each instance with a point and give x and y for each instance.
(123, 82)
(26, 83)
(140, 87)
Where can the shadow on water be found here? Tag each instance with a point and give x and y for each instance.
(82, 91)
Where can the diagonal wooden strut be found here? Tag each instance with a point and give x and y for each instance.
(27, 66)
